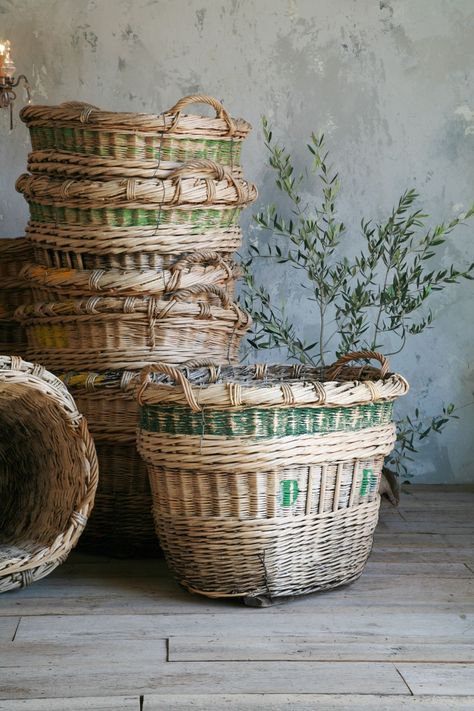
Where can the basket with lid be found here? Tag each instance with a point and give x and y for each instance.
(265, 478)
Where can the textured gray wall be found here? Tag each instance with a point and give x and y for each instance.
(390, 82)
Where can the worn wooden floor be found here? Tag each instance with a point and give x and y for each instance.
(107, 635)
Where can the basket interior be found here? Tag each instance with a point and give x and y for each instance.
(41, 471)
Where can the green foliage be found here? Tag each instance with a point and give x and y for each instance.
(374, 300)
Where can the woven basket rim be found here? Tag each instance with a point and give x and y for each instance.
(172, 121)
(228, 190)
(135, 306)
(60, 162)
(267, 385)
(198, 268)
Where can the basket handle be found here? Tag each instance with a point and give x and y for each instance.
(206, 255)
(334, 369)
(206, 168)
(172, 372)
(202, 99)
(210, 289)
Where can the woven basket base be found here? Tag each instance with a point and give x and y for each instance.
(272, 557)
(121, 523)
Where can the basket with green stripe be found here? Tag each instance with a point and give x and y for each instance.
(265, 478)
(201, 194)
(172, 136)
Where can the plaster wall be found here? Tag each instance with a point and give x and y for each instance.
(390, 82)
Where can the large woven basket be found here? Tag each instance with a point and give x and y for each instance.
(171, 137)
(265, 479)
(198, 268)
(103, 333)
(48, 473)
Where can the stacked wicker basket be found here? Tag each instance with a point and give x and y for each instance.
(134, 225)
(14, 290)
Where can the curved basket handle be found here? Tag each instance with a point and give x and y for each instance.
(334, 369)
(205, 168)
(172, 372)
(206, 255)
(202, 99)
(210, 289)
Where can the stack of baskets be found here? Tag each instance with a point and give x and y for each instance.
(265, 479)
(14, 291)
(134, 225)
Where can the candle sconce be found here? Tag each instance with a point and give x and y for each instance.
(8, 83)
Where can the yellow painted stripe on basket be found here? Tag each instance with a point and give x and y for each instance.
(50, 336)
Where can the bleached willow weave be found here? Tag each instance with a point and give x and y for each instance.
(48, 473)
(265, 479)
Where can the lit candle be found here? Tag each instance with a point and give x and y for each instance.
(7, 68)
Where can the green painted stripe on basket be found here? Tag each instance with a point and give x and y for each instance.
(126, 145)
(199, 219)
(264, 423)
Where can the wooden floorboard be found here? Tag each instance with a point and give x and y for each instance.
(109, 635)
(304, 702)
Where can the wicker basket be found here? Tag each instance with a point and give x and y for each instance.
(121, 523)
(15, 252)
(71, 165)
(213, 201)
(12, 337)
(170, 137)
(104, 333)
(107, 402)
(203, 268)
(125, 247)
(14, 291)
(265, 479)
(48, 473)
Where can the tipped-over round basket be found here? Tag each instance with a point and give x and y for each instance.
(265, 479)
(103, 333)
(172, 136)
(48, 473)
